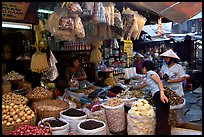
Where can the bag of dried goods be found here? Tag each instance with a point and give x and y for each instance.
(95, 111)
(128, 19)
(73, 116)
(58, 126)
(140, 22)
(73, 8)
(99, 13)
(88, 8)
(118, 24)
(141, 118)
(115, 114)
(78, 27)
(91, 127)
(109, 12)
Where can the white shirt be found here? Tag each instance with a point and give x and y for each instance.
(174, 72)
(151, 84)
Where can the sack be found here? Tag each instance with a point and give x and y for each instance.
(98, 115)
(73, 121)
(115, 118)
(97, 131)
(138, 125)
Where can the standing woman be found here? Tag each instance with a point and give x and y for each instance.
(159, 97)
(174, 72)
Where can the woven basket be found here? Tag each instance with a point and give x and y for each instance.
(7, 129)
(40, 99)
(6, 87)
(48, 108)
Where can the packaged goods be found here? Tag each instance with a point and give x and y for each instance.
(115, 114)
(91, 127)
(141, 118)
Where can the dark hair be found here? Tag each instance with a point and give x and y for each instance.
(71, 61)
(149, 65)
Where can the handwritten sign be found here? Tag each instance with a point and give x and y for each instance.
(128, 47)
(14, 10)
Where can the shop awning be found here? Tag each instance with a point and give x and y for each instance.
(175, 11)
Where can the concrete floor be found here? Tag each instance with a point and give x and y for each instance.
(192, 111)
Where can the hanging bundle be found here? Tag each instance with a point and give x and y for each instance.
(39, 62)
(96, 55)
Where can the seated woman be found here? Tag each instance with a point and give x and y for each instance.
(74, 71)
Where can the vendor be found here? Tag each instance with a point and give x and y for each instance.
(174, 72)
(139, 59)
(75, 71)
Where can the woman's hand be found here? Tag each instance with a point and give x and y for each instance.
(163, 98)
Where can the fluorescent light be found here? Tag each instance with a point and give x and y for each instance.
(16, 25)
(45, 11)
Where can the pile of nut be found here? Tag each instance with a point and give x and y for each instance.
(174, 99)
(113, 102)
(14, 98)
(39, 93)
(12, 76)
(125, 95)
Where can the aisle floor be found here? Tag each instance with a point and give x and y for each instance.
(192, 111)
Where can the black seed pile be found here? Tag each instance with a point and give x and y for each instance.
(91, 124)
(56, 122)
(73, 112)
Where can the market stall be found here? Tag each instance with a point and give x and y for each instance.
(105, 102)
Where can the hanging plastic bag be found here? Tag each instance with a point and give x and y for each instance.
(73, 8)
(91, 30)
(140, 22)
(128, 19)
(52, 73)
(88, 8)
(134, 26)
(99, 13)
(55, 26)
(79, 28)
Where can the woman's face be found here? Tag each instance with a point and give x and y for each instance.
(76, 63)
(144, 71)
(167, 59)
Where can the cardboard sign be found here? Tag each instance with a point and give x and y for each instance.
(128, 47)
(14, 10)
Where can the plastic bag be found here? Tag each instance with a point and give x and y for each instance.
(88, 8)
(78, 27)
(109, 12)
(128, 19)
(133, 27)
(53, 26)
(73, 8)
(140, 22)
(99, 13)
(91, 30)
(115, 118)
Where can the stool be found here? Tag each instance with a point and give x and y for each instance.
(189, 86)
